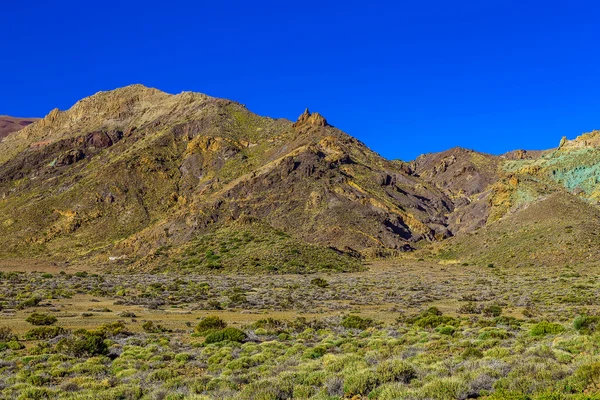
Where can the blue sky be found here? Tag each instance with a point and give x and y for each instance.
(405, 77)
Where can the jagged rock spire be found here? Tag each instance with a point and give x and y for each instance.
(309, 118)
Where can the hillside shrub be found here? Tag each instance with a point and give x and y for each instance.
(6, 334)
(210, 323)
(586, 324)
(30, 302)
(151, 327)
(39, 319)
(432, 318)
(492, 310)
(44, 333)
(357, 322)
(360, 383)
(546, 328)
(319, 282)
(84, 344)
(395, 370)
(227, 334)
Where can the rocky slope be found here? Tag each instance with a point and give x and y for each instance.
(542, 209)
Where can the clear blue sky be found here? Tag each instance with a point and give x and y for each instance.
(405, 77)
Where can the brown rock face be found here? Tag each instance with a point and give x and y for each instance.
(9, 125)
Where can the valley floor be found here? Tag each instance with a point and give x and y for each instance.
(402, 329)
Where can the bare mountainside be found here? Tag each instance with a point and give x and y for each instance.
(140, 178)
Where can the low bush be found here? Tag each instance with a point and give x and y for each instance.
(227, 334)
(84, 344)
(357, 322)
(44, 333)
(210, 323)
(151, 327)
(445, 330)
(546, 328)
(432, 318)
(360, 383)
(319, 282)
(395, 370)
(30, 302)
(586, 323)
(113, 329)
(6, 334)
(39, 319)
(492, 310)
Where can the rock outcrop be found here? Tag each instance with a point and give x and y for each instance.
(308, 118)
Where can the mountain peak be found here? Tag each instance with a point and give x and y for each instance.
(308, 118)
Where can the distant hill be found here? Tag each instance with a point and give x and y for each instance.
(9, 125)
(146, 180)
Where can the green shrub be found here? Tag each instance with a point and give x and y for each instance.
(41, 319)
(471, 352)
(395, 370)
(492, 333)
(227, 334)
(315, 352)
(360, 383)
(390, 391)
(183, 357)
(15, 345)
(44, 333)
(469, 308)
(6, 334)
(586, 376)
(162, 375)
(84, 344)
(113, 329)
(33, 393)
(445, 330)
(271, 389)
(444, 389)
(319, 282)
(151, 327)
(31, 302)
(586, 323)
(546, 328)
(210, 323)
(356, 322)
(432, 318)
(492, 310)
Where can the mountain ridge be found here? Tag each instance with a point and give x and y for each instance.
(137, 174)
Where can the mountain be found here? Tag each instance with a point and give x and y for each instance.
(542, 209)
(9, 125)
(140, 179)
(139, 175)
